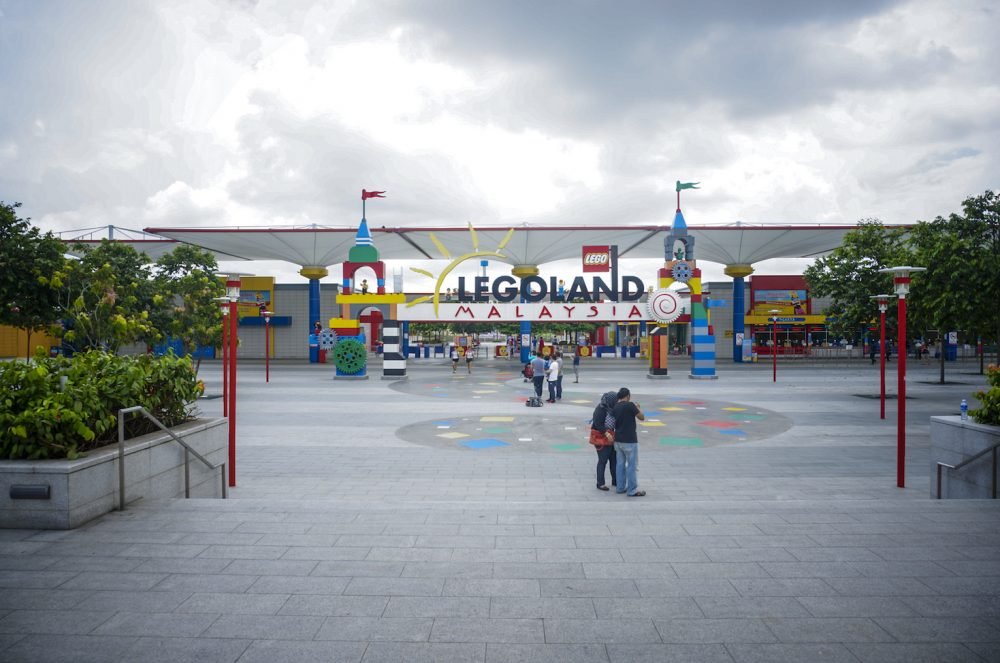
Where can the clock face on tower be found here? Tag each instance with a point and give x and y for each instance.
(682, 271)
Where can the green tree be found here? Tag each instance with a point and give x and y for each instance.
(27, 257)
(104, 298)
(849, 275)
(184, 305)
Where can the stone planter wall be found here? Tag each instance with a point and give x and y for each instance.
(953, 441)
(85, 488)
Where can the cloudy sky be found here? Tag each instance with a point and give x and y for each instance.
(214, 113)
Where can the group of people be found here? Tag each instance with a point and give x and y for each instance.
(470, 353)
(614, 436)
(550, 370)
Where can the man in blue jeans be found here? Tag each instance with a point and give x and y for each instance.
(627, 443)
(538, 374)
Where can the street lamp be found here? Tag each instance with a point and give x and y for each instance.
(901, 281)
(774, 344)
(233, 294)
(267, 344)
(883, 304)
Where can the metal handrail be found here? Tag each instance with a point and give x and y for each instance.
(187, 454)
(965, 462)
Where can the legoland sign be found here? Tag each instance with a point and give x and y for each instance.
(537, 299)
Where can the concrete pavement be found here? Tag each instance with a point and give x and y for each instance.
(439, 519)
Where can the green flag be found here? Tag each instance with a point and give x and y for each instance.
(686, 185)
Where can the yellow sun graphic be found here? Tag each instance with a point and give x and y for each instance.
(455, 262)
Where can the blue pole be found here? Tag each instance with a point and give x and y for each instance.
(313, 303)
(739, 324)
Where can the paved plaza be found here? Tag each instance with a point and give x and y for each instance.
(439, 519)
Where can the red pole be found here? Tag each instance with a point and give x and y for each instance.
(225, 367)
(901, 389)
(774, 348)
(233, 340)
(882, 348)
(267, 350)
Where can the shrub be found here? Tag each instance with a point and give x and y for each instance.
(989, 413)
(59, 407)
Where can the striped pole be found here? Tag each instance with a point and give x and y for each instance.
(393, 359)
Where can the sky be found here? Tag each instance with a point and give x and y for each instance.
(241, 113)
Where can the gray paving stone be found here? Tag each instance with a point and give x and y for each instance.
(199, 582)
(635, 630)
(220, 538)
(506, 555)
(265, 627)
(456, 542)
(433, 652)
(539, 570)
(395, 586)
(34, 579)
(882, 586)
(67, 649)
(856, 606)
(723, 631)
(782, 587)
(667, 587)
(818, 554)
(989, 651)
(327, 585)
(327, 554)
(56, 622)
(811, 569)
(236, 604)
(463, 606)
(448, 570)
(124, 581)
(563, 555)
(131, 601)
(588, 588)
(954, 606)
(491, 587)
(492, 530)
(376, 629)
(548, 608)
(244, 552)
(450, 629)
(659, 608)
(833, 629)
(173, 565)
(536, 542)
(162, 624)
(767, 554)
(517, 653)
(615, 542)
(162, 550)
(334, 606)
(940, 629)
(646, 555)
(721, 607)
(362, 568)
(258, 567)
(931, 652)
(962, 585)
(675, 653)
(186, 650)
(790, 653)
(376, 541)
(41, 599)
(406, 554)
(28, 562)
(720, 570)
(287, 651)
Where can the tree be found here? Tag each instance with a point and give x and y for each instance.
(27, 257)
(184, 306)
(105, 297)
(849, 275)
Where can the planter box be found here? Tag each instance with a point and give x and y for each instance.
(85, 488)
(953, 441)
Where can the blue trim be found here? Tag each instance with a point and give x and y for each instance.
(703, 371)
(276, 321)
(706, 355)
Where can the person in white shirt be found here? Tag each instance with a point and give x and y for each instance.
(553, 374)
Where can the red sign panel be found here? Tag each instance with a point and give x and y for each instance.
(596, 258)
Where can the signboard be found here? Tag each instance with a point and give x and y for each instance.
(537, 311)
(596, 258)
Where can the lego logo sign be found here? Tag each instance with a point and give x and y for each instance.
(596, 258)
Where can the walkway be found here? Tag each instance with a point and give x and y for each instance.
(438, 519)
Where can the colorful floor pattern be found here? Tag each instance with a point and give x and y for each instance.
(671, 422)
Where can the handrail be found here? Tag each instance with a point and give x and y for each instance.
(965, 462)
(187, 450)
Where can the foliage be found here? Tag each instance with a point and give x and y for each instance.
(60, 407)
(849, 275)
(26, 258)
(104, 298)
(989, 413)
(183, 304)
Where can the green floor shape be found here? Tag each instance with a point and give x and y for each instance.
(740, 416)
(496, 430)
(682, 441)
(566, 447)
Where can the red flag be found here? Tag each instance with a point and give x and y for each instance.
(365, 195)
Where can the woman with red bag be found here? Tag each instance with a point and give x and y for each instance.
(602, 436)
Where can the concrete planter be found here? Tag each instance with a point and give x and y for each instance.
(953, 441)
(82, 489)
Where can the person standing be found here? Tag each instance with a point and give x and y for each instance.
(470, 353)
(562, 371)
(552, 373)
(538, 374)
(625, 413)
(576, 366)
(454, 358)
(602, 437)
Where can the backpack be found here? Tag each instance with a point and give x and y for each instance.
(533, 401)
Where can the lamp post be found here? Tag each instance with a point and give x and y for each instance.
(267, 344)
(883, 304)
(901, 281)
(233, 294)
(224, 309)
(774, 344)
